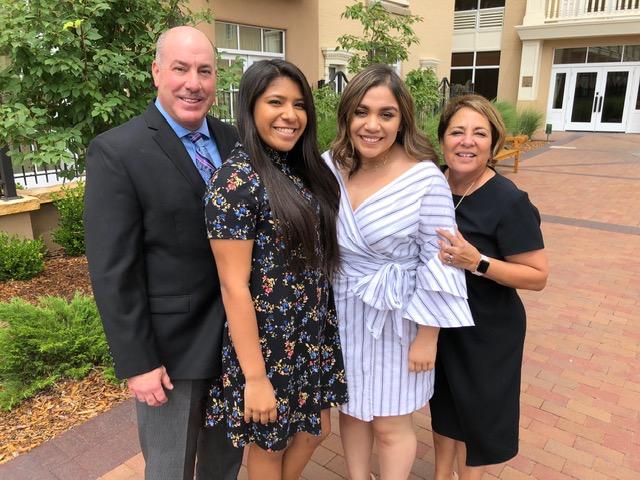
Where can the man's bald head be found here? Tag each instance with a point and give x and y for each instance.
(183, 31)
(184, 74)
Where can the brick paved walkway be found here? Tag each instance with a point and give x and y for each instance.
(581, 375)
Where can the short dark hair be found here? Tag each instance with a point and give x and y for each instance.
(297, 217)
(485, 108)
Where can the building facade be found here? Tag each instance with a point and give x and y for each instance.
(577, 61)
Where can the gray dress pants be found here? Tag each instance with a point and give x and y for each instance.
(173, 436)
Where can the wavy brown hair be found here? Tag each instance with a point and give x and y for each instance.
(485, 108)
(415, 144)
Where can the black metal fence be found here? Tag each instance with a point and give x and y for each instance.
(338, 82)
(7, 182)
(449, 90)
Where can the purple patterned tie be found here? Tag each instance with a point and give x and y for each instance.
(203, 162)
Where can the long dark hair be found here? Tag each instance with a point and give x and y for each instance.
(414, 142)
(297, 217)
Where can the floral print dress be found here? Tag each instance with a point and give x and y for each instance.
(295, 315)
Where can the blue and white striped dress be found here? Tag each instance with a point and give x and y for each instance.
(391, 280)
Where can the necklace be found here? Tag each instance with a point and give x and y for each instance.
(467, 190)
(379, 163)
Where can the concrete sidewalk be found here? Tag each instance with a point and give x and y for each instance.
(581, 375)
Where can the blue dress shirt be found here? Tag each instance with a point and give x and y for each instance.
(181, 132)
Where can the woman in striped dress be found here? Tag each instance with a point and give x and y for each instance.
(392, 293)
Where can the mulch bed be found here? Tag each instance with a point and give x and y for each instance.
(56, 410)
(62, 277)
(70, 402)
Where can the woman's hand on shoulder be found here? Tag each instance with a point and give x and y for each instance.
(456, 251)
(259, 401)
(528, 270)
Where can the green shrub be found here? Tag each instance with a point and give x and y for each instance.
(509, 115)
(20, 259)
(429, 125)
(326, 101)
(42, 343)
(529, 121)
(423, 86)
(70, 232)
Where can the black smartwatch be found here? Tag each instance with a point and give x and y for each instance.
(483, 266)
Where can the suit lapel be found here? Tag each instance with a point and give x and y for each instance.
(172, 146)
(224, 141)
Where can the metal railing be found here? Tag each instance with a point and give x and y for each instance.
(575, 10)
(449, 90)
(7, 182)
(338, 82)
(45, 175)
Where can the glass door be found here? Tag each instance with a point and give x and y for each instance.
(599, 99)
(612, 104)
(583, 104)
(558, 98)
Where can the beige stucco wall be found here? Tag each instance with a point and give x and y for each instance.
(299, 19)
(547, 62)
(332, 26)
(435, 33)
(511, 51)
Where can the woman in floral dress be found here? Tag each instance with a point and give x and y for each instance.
(270, 213)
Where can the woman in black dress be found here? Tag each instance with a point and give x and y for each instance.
(270, 212)
(475, 407)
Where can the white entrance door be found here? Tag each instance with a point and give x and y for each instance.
(599, 98)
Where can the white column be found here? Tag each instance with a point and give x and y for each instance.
(530, 70)
(535, 13)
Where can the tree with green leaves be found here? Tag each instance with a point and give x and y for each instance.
(386, 37)
(75, 68)
(423, 85)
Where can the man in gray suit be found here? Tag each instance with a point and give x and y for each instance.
(153, 274)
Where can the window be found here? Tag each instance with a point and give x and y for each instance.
(487, 58)
(461, 5)
(478, 14)
(631, 53)
(604, 54)
(597, 54)
(273, 40)
(250, 38)
(226, 35)
(462, 59)
(475, 71)
(558, 92)
(247, 39)
(570, 55)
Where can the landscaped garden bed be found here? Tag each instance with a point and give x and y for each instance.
(68, 402)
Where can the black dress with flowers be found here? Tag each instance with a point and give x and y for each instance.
(296, 318)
